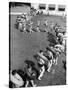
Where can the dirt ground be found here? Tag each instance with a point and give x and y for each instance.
(24, 46)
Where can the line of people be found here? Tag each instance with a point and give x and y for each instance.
(49, 57)
(45, 60)
(21, 24)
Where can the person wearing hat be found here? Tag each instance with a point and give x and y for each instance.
(38, 26)
(18, 22)
(46, 22)
(30, 26)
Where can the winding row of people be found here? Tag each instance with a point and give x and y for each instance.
(45, 58)
(49, 57)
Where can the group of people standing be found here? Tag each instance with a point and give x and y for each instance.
(21, 24)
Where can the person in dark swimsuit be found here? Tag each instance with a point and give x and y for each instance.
(31, 74)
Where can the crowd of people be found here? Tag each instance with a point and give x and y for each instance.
(49, 57)
(21, 24)
(25, 77)
(45, 58)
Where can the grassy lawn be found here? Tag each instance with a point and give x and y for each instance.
(24, 46)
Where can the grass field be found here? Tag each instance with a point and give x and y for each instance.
(24, 46)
